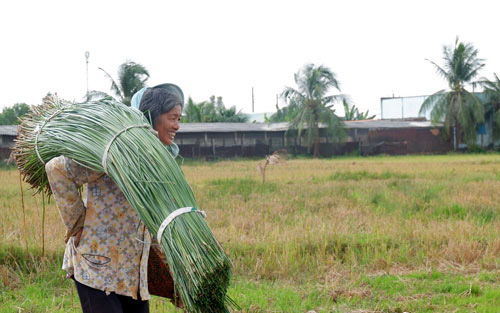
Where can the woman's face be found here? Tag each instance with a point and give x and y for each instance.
(168, 124)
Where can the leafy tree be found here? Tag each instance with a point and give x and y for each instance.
(460, 109)
(131, 78)
(492, 93)
(211, 111)
(312, 104)
(352, 113)
(285, 114)
(203, 112)
(11, 115)
(227, 115)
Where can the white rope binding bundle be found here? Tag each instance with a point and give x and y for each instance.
(172, 216)
(106, 150)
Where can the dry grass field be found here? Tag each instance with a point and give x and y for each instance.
(381, 234)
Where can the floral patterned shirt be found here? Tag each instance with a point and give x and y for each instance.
(113, 251)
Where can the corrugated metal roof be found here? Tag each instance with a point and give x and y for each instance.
(376, 124)
(261, 127)
(11, 130)
(231, 127)
(8, 130)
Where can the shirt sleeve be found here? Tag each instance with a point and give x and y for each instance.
(65, 177)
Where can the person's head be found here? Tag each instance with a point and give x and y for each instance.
(162, 105)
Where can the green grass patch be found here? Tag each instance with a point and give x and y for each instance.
(459, 212)
(361, 175)
(244, 187)
(434, 292)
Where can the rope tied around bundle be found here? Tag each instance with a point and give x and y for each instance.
(106, 150)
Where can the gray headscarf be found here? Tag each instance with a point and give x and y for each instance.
(156, 101)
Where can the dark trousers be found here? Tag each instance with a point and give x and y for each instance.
(96, 301)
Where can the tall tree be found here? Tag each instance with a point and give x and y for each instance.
(11, 115)
(492, 93)
(460, 109)
(131, 78)
(314, 105)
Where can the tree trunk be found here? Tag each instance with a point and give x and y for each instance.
(454, 138)
(316, 148)
(316, 142)
(459, 135)
(317, 134)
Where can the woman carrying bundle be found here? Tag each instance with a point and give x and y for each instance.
(107, 245)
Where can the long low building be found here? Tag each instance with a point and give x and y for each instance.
(258, 139)
(208, 140)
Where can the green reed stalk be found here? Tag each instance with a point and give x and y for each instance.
(43, 225)
(24, 216)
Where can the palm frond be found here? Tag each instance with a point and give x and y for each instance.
(132, 77)
(442, 72)
(430, 102)
(96, 95)
(114, 86)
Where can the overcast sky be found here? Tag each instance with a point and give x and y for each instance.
(223, 48)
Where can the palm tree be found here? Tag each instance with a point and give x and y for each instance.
(203, 112)
(460, 109)
(227, 115)
(314, 107)
(352, 113)
(285, 114)
(131, 78)
(492, 93)
(211, 112)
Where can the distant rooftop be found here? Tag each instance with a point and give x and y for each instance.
(231, 127)
(8, 130)
(11, 130)
(393, 123)
(261, 127)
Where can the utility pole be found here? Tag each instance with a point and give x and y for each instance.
(253, 102)
(87, 54)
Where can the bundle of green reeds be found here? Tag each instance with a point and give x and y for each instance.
(110, 137)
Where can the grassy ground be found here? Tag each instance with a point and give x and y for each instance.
(381, 234)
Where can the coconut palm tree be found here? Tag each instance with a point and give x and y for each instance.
(203, 112)
(492, 94)
(314, 105)
(131, 78)
(352, 113)
(460, 109)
